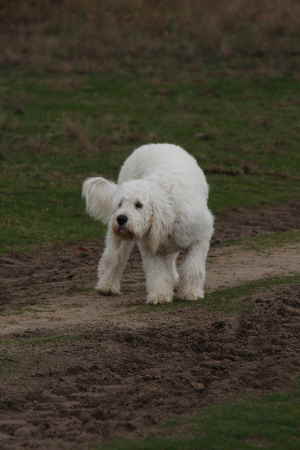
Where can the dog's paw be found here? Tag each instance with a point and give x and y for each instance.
(107, 289)
(190, 295)
(155, 299)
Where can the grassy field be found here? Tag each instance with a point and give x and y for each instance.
(57, 130)
(84, 82)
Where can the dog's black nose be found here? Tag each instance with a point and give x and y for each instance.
(122, 219)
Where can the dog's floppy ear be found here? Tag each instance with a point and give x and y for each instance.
(162, 221)
(98, 193)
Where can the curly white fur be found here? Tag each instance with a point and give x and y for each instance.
(159, 203)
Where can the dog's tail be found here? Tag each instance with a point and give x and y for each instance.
(98, 193)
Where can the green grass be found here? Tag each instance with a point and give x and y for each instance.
(56, 131)
(269, 422)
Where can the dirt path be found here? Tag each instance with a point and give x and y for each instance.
(227, 267)
(233, 266)
(70, 362)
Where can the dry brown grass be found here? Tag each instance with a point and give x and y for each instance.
(84, 35)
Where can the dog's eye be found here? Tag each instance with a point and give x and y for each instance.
(138, 205)
(120, 204)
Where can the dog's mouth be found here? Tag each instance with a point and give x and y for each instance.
(123, 232)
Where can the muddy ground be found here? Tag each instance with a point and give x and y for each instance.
(78, 369)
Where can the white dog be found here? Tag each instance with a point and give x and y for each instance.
(160, 203)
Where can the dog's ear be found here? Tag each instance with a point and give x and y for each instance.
(98, 194)
(162, 221)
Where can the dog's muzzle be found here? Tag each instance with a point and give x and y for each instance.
(120, 228)
(122, 219)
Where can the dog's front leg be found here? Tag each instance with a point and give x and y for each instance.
(112, 264)
(159, 278)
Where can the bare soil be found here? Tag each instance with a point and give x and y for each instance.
(77, 368)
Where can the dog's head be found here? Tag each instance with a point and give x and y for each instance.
(132, 212)
(137, 209)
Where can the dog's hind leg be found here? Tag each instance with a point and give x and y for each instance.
(192, 272)
(112, 264)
